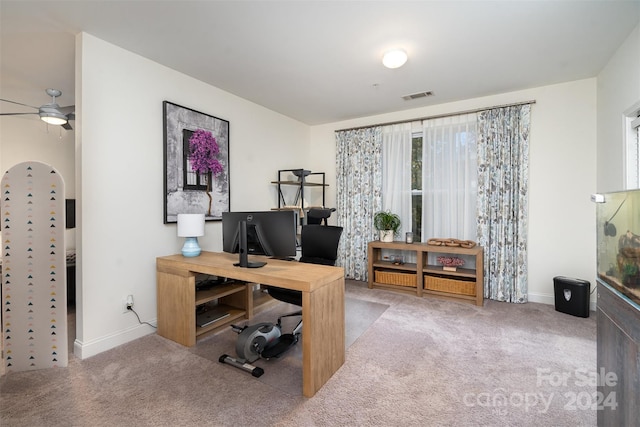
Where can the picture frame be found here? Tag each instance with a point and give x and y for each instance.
(185, 191)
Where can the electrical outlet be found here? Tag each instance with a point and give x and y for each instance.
(127, 303)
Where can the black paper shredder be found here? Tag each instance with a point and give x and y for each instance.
(572, 296)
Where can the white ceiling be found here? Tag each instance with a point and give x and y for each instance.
(320, 61)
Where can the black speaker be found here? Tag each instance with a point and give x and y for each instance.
(572, 296)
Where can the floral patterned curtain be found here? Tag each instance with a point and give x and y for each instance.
(503, 187)
(359, 195)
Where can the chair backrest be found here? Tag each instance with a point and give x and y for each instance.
(320, 244)
(319, 215)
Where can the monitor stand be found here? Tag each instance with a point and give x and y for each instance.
(243, 250)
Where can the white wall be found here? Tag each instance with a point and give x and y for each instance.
(562, 175)
(120, 179)
(618, 90)
(27, 138)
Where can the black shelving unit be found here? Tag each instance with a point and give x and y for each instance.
(306, 179)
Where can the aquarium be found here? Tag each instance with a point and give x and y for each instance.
(618, 239)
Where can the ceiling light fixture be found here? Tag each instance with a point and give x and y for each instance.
(394, 58)
(50, 113)
(52, 117)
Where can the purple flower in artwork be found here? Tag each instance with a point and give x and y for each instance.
(203, 150)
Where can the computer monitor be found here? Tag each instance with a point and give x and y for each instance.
(271, 233)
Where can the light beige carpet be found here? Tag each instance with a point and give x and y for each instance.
(423, 362)
(285, 372)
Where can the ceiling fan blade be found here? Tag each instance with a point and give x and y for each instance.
(48, 110)
(18, 103)
(67, 110)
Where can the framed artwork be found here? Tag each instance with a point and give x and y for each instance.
(185, 189)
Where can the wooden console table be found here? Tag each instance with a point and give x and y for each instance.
(420, 278)
(322, 287)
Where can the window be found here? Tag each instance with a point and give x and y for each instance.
(191, 180)
(633, 148)
(438, 174)
(416, 187)
(430, 176)
(444, 179)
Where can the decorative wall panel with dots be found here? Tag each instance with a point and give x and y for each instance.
(34, 301)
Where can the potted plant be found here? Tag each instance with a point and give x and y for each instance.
(387, 224)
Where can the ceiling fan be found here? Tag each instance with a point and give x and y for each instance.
(51, 113)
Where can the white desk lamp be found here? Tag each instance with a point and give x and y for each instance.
(190, 226)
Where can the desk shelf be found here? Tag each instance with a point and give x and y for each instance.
(234, 314)
(240, 299)
(178, 300)
(218, 291)
(230, 297)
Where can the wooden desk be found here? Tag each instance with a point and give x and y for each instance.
(322, 287)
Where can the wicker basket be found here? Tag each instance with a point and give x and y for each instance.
(461, 287)
(396, 278)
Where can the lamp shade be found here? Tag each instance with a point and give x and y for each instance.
(190, 225)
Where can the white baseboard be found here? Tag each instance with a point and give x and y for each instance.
(542, 298)
(83, 350)
(551, 299)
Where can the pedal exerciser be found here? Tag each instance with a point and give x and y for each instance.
(259, 341)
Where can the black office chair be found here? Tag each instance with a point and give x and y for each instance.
(319, 246)
(319, 215)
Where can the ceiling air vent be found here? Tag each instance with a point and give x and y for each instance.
(417, 95)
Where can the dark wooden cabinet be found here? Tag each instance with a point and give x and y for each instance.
(618, 343)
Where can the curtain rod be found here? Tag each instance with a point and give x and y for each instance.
(438, 116)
